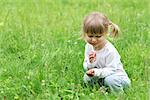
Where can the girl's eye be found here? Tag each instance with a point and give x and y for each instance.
(94, 36)
(98, 36)
(90, 36)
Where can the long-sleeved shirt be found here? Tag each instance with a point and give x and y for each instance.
(107, 61)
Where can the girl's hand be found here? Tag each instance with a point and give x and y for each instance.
(92, 57)
(90, 72)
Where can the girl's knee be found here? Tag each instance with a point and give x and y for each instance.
(116, 83)
(111, 80)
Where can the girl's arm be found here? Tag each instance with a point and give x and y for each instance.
(111, 63)
(86, 64)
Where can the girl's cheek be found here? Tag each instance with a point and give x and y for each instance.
(88, 40)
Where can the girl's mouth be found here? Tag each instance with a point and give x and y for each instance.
(94, 44)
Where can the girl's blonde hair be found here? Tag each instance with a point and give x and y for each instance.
(97, 22)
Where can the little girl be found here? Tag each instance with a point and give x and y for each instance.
(102, 62)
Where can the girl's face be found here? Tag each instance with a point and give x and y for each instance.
(95, 39)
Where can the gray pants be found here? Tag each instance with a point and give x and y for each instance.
(116, 83)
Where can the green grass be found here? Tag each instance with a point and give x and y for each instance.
(41, 54)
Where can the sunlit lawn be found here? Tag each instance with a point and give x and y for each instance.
(41, 53)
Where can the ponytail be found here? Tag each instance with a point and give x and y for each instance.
(114, 29)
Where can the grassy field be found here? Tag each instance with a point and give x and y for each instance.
(41, 54)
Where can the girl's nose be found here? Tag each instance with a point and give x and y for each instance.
(93, 40)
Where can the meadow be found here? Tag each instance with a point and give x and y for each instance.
(41, 53)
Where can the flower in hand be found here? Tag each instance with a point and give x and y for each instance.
(92, 57)
(90, 72)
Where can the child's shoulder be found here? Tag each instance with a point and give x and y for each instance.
(111, 50)
(110, 47)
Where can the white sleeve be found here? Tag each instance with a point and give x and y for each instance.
(86, 64)
(111, 62)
